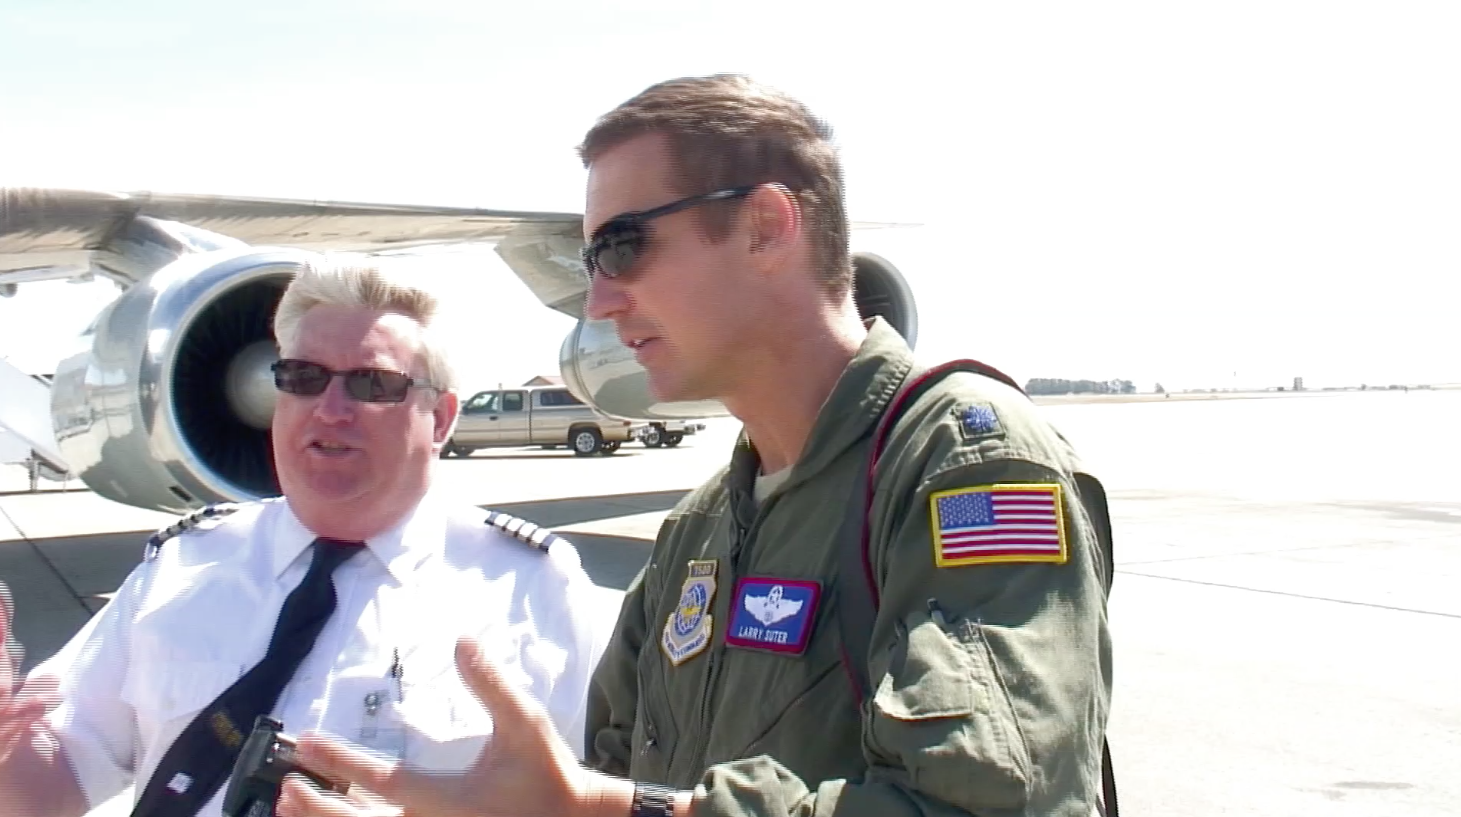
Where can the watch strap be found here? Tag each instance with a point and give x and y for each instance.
(651, 800)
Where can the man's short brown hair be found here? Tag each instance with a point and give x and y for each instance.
(727, 131)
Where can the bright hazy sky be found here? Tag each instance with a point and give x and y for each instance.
(1212, 194)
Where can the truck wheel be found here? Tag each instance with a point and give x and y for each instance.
(674, 438)
(610, 447)
(654, 437)
(451, 450)
(585, 441)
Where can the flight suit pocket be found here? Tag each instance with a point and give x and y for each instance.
(941, 713)
(653, 740)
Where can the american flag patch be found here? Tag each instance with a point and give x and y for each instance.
(991, 524)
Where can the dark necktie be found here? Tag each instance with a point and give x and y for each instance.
(199, 761)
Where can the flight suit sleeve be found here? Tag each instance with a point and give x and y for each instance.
(990, 672)
(613, 694)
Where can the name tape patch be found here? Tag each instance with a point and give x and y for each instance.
(998, 524)
(773, 614)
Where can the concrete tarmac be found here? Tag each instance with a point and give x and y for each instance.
(1273, 656)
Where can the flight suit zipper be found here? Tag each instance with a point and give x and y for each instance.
(651, 737)
(739, 539)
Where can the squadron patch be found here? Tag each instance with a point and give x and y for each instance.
(773, 614)
(993, 524)
(523, 530)
(688, 627)
(193, 520)
(978, 421)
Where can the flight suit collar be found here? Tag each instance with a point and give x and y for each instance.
(400, 549)
(850, 412)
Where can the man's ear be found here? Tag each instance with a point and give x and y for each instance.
(445, 413)
(775, 219)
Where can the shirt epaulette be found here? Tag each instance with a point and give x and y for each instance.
(187, 523)
(523, 530)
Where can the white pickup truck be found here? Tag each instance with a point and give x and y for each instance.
(668, 433)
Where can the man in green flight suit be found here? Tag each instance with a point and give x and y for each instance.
(717, 243)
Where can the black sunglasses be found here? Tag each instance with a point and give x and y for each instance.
(366, 385)
(617, 243)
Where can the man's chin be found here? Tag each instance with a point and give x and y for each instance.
(665, 388)
(339, 492)
(327, 487)
(336, 514)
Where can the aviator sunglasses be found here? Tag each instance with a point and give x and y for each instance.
(618, 242)
(365, 385)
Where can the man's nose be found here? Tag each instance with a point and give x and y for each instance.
(333, 404)
(605, 298)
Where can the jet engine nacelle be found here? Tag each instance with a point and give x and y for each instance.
(168, 404)
(601, 371)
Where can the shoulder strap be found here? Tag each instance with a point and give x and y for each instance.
(186, 523)
(522, 530)
(858, 596)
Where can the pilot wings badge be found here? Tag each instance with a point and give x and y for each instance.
(773, 614)
(688, 627)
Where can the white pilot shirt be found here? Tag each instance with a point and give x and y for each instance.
(185, 625)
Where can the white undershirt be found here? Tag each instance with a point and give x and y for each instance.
(766, 484)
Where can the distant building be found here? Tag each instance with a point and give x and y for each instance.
(545, 380)
(1298, 384)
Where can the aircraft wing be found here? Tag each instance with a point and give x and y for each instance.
(48, 233)
(55, 234)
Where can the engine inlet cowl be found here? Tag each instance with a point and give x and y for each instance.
(169, 406)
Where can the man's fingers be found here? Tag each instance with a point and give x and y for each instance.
(44, 688)
(370, 801)
(297, 798)
(10, 647)
(508, 707)
(329, 758)
(385, 779)
(17, 717)
(7, 610)
(25, 710)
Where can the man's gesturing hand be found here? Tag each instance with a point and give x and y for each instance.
(526, 768)
(22, 703)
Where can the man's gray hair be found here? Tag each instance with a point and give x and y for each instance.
(350, 279)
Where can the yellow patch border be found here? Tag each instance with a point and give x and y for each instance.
(963, 561)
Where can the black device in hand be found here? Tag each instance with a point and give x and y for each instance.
(258, 773)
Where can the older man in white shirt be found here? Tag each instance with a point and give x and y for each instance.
(336, 607)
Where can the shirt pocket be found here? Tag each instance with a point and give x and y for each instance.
(941, 713)
(167, 693)
(445, 727)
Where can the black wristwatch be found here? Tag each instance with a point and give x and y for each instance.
(652, 801)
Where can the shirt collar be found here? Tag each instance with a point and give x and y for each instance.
(401, 548)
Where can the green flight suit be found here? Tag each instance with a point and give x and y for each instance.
(991, 681)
